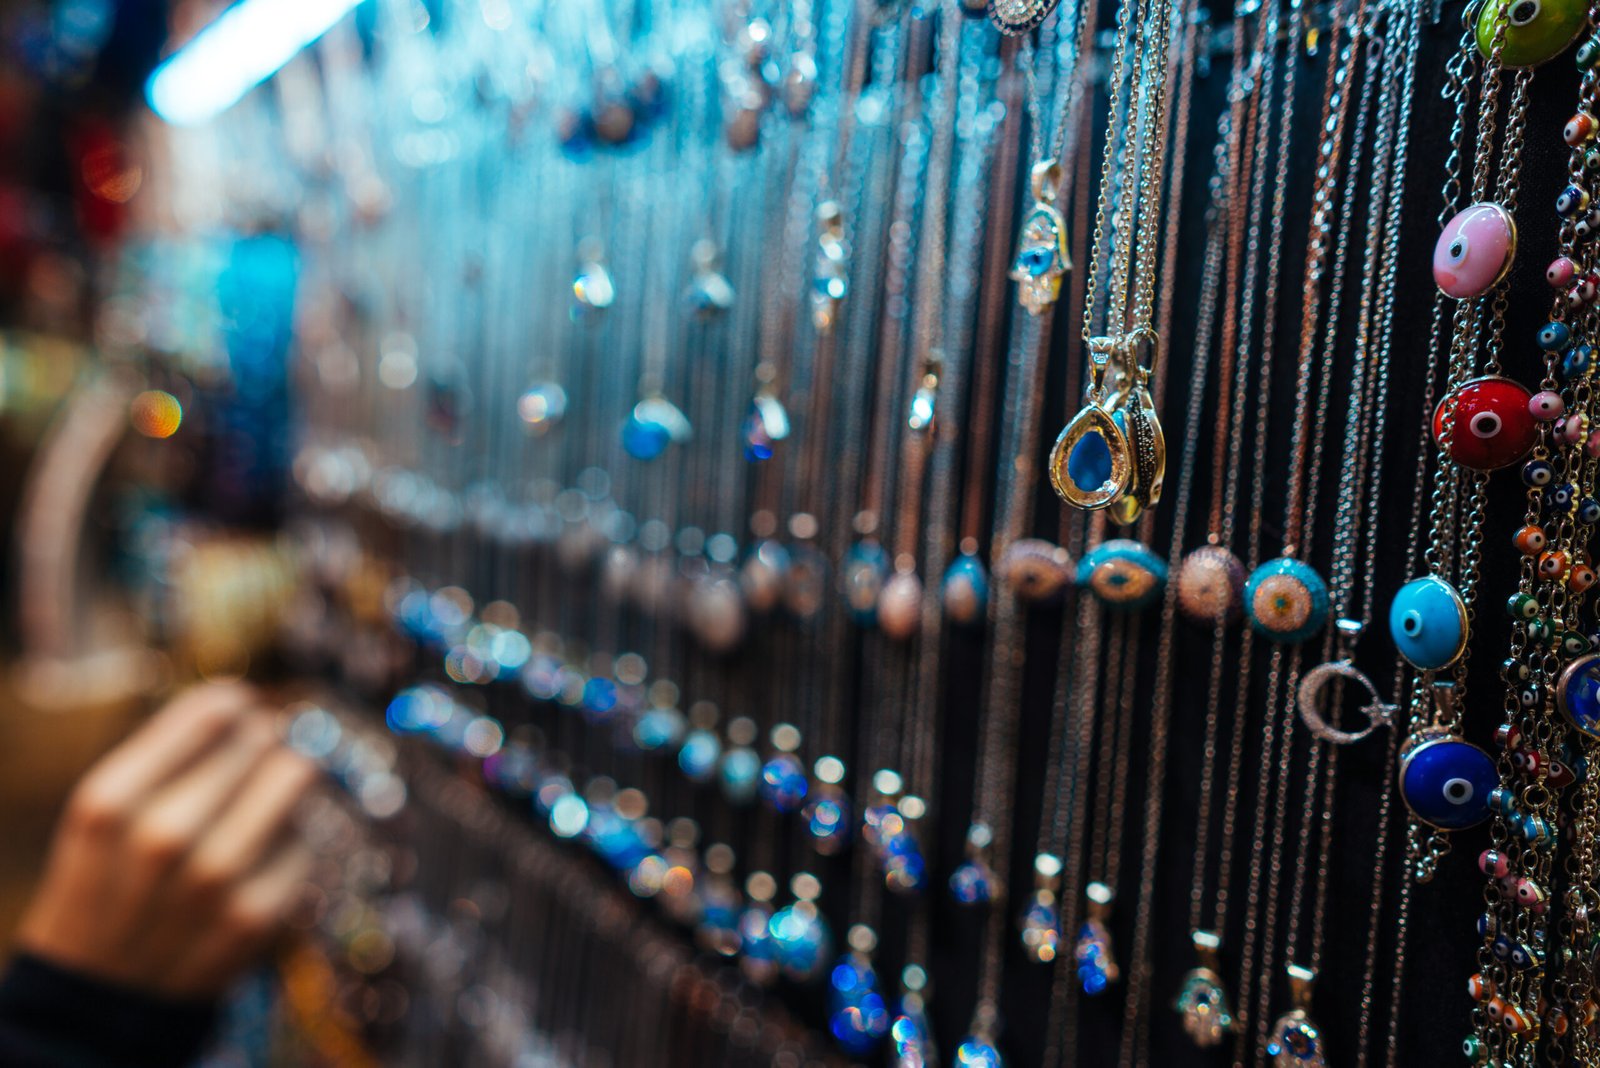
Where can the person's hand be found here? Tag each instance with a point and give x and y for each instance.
(176, 864)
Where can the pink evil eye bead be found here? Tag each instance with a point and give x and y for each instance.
(1560, 274)
(1570, 430)
(1474, 251)
(1546, 405)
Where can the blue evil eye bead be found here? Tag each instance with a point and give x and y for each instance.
(857, 1014)
(783, 782)
(1123, 573)
(965, 592)
(1578, 694)
(972, 883)
(1559, 498)
(1538, 473)
(739, 773)
(1428, 621)
(1577, 361)
(861, 579)
(700, 754)
(1286, 600)
(1446, 782)
(1589, 511)
(1573, 200)
(1553, 337)
(976, 1052)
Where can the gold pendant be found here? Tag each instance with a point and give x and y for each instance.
(1042, 257)
(1091, 465)
(1203, 1000)
(1149, 448)
(1295, 1040)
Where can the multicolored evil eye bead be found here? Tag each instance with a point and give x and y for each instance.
(1286, 600)
(861, 578)
(1581, 577)
(1428, 621)
(1561, 272)
(783, 782)
(1571, 201)
(1538, 473)
(1446, 781)
(1553, 336)
(1578, 129)
(1035, 570)
(1553, 564)
(1531, 540)
(1578, 694)
(1588, 54)
(1123, 573)
(1577, 361)
(1475, 251)
(1547, 406)
(1490, 427)
(965, 592)
(1210, 585)
(1494, 863)
(1535, 30)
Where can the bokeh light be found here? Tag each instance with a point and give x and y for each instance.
(155, 414)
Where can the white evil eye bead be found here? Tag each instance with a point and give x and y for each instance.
(1561, 272)
(1574, 200)
(1553, 337)
(1547, 405)
(1578, 129)
(1446, 782)
(1538, 473)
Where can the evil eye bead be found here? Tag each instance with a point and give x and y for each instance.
(1577, 361)
(1474, 251)
(1531, 540)
(1561, 272)
(1591, 160)
(1210, 585)
(1286, 600)
(1528, 893)
(1515, 1021)
(1527, 762)
(1580, 578)
(1480, 987)
(1540, 631)
(1578, 694)
(1534, 30)
(1035, 569)
(861, 578)
(1584, 291)
(1588, 54)
(1553, 336)
(1473, 1049)
(1494, 863)
(1123, 573)
(1553, 565)
(1537, 473)
(1578, 129)
(1522, 607)
(1572, 201)
(1589, 511)
(1572, 429)
(1428, 621)
(1490, 427)
(1586, 227)
(1446, 782)
(1547, 406)
(1572, 643)
(1559, 498)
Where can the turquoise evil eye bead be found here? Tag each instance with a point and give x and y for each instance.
(965, 592)
(1286, 600)
(1534, 30)
(1577, 361)
(1578, 694)
(1553, 337)
(1428, 621)
(1446, 782)
(1123, 573)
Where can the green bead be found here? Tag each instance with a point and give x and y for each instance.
(1540, 630)
(1588, 53)
(1523, 607)
(1572, 643)
(1475, 1050)
(1535, 30)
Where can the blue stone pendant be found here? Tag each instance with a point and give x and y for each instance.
(1428, 621)
(1295, 1041)
(1042, 256)
(1446, 781)
(1578, 694)
(1286, 600)
(1123, 573)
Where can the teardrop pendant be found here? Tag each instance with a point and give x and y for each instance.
(1091, 465)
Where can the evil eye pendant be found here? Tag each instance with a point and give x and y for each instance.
(1286, 600)
(1123, 573)
(1091, 463)
(1475, 251)
(1535, 30)
(1015, 17)
(1491, 426)
(1578, 694)
(1042, 256)
(1428, 621)
(1210, 585)
(1296, 1042)
(1446, 781)
(1035, 569)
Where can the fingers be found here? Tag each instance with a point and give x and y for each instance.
(250, 827)
(194, 724)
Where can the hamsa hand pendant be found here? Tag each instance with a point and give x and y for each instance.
(1042, 257)
(1203, 1004)
(1296, 1042)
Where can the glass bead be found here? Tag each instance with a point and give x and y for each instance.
(1494, 863)
(801, 939)
(1553, 564)
(862, 575)
(1591, 160)
(1538, 473)
(1480, 987)
(974, 1052)
(1286, 600)
(739, 773)
(1446, 782)
(1553, 336)
(1534, 30)
(1474, 251)
(1572, 201)
(1589, 510)
(1588, 54)
(1559, 498)
(1578, 129)
(858, 1016)
(1041, 929)
(1531, 540)
(1546, 406)
(828, 821)
(1561, 272)
(1580, 578)
(1096, 967)
(783, 782)
(965, 592)
(1490, 427)
(700, 754)
(1540, 631)
(972, 883)
(1428, 622)
(1573, 643)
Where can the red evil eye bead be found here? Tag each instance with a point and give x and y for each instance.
(1547, 406)
(1493, 863)
(1497, 1007)
(1530, 540)
(1580, 578)
(1578, 129)
(1509, 736)
(1515, 1020)
(1527, 762)
(1554, 564)
(1574, 200)
(1489, 423)
(1480, 987)
(1561, 272)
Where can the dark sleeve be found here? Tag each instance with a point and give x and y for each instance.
(54, 1018)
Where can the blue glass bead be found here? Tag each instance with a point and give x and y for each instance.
(739, 774)
(965, 593)
(1036, 261)
(1559, 498)
(1428, 621)
(1578, 694)
(1589, 511)
(758, 952)
(909, 1033)
(1537, 473)
(1573, 200)
(700, 754)
(974, 1052)
(1092, 955)
(861, 576)
(905, 871)
(1123, 573)
(1286, 600)
(1577, 361)
(599, 699)
(1553, 337)
(616, 840)
(971, 883)
(783, 782)
(643, 439)
(1446, 782)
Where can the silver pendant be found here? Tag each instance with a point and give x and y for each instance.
(1379, 712)
(1019, 16)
